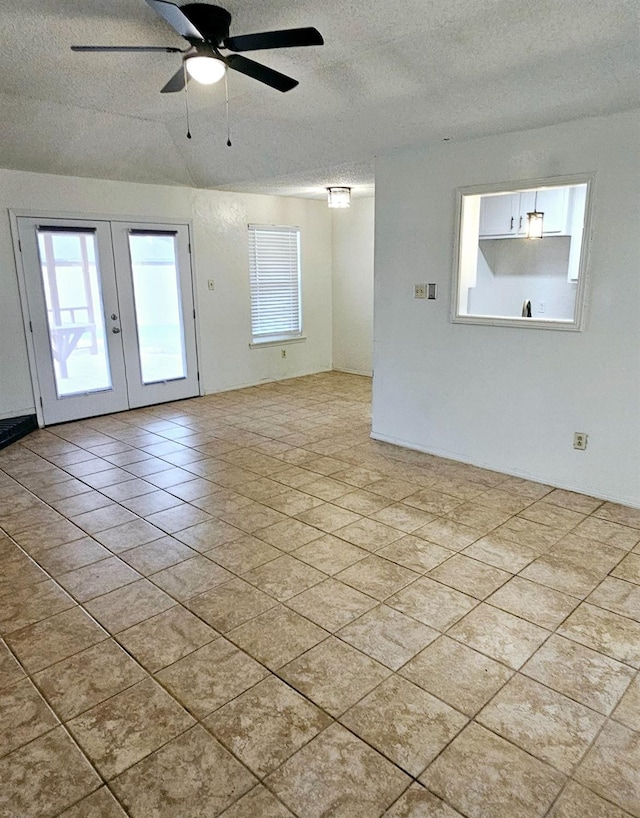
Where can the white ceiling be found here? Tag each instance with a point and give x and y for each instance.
(391, 73)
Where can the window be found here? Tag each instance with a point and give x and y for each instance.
(274, 270)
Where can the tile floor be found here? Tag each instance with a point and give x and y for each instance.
(241, 605)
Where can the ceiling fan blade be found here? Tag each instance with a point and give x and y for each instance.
(260, 72)
(287, 38)
(167, 49)
(176, 83)
(176, 18)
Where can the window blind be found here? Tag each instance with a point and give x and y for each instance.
(274, 270)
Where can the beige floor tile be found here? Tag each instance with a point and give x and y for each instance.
(530, 534)
(328, 518)
(155, 556)
(604, 631)
(584, 675)
(611, 766)
(501, 553)
(125, 607)
(98, 578)
(388, 636)
(24, 715)
(610, 533)
(127, 727)
(191, 577)
(417, 802)
(573, 501)
(277, 636)
(331, 604)
(166, 638)
(377, 577)
(21, 607)
(243, 554)
(172, 520)
(458, 675)
(192, 775)
(628, 711)
(563, 575)
(211, 676)
(107, 517)
(287, 535)
(470, 576)
(616, 513)
(576, 801)
(325, 778)
(483, 775)
(210, 534)
(128, 535)
(88, 678)
(403, 517)
(45, 777)
(330, 554)
(100, 804)
(284, 577)
(544, 723)
(258, 802)
(10, 670)
(229, 605)
(541, 605)
(368, 534)
(404, 723)
(51, 640)
(266, 725)
(69, 556)
(415, 553)
(432, 603)
(628, 569)
(334, 675)
(431, 501)
(552, 515)
(618, 596)
(499, 635)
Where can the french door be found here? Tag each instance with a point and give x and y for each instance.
(112, 314)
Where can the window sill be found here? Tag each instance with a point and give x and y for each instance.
(276, 342)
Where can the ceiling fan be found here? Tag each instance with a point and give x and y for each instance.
(206, 29)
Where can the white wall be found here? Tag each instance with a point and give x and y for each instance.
(220, 252)
(352, 263)
(505, 397)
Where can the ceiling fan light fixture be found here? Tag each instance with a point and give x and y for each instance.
(205, 70)
(339, 197)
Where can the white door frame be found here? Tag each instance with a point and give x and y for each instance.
(15, 214)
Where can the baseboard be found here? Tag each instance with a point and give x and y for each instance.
(535, 478)
(12, 429)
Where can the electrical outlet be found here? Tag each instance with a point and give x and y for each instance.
(580, 440)
(211, 284)
(283, 353)
(419, 290)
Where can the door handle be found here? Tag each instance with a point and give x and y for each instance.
(116, 330)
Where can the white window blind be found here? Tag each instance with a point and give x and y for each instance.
(274, 269)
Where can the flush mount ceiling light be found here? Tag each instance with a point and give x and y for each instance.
(205, 70)
(339, 196)
(535, 221)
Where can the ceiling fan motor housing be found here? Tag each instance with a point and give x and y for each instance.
(213, 22)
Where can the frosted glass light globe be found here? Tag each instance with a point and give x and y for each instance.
(205, 70)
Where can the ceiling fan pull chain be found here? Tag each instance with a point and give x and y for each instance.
(226, 97)
(186, 97)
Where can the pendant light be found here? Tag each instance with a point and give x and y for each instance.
(535, 221)
(339, 196)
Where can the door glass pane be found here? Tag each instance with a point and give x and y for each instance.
(158, 308)
(75, 315)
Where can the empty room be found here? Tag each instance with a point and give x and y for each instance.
(319, 409)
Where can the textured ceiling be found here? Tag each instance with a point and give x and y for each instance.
(391, 73)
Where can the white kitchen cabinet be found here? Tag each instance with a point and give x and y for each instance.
(505, 215)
